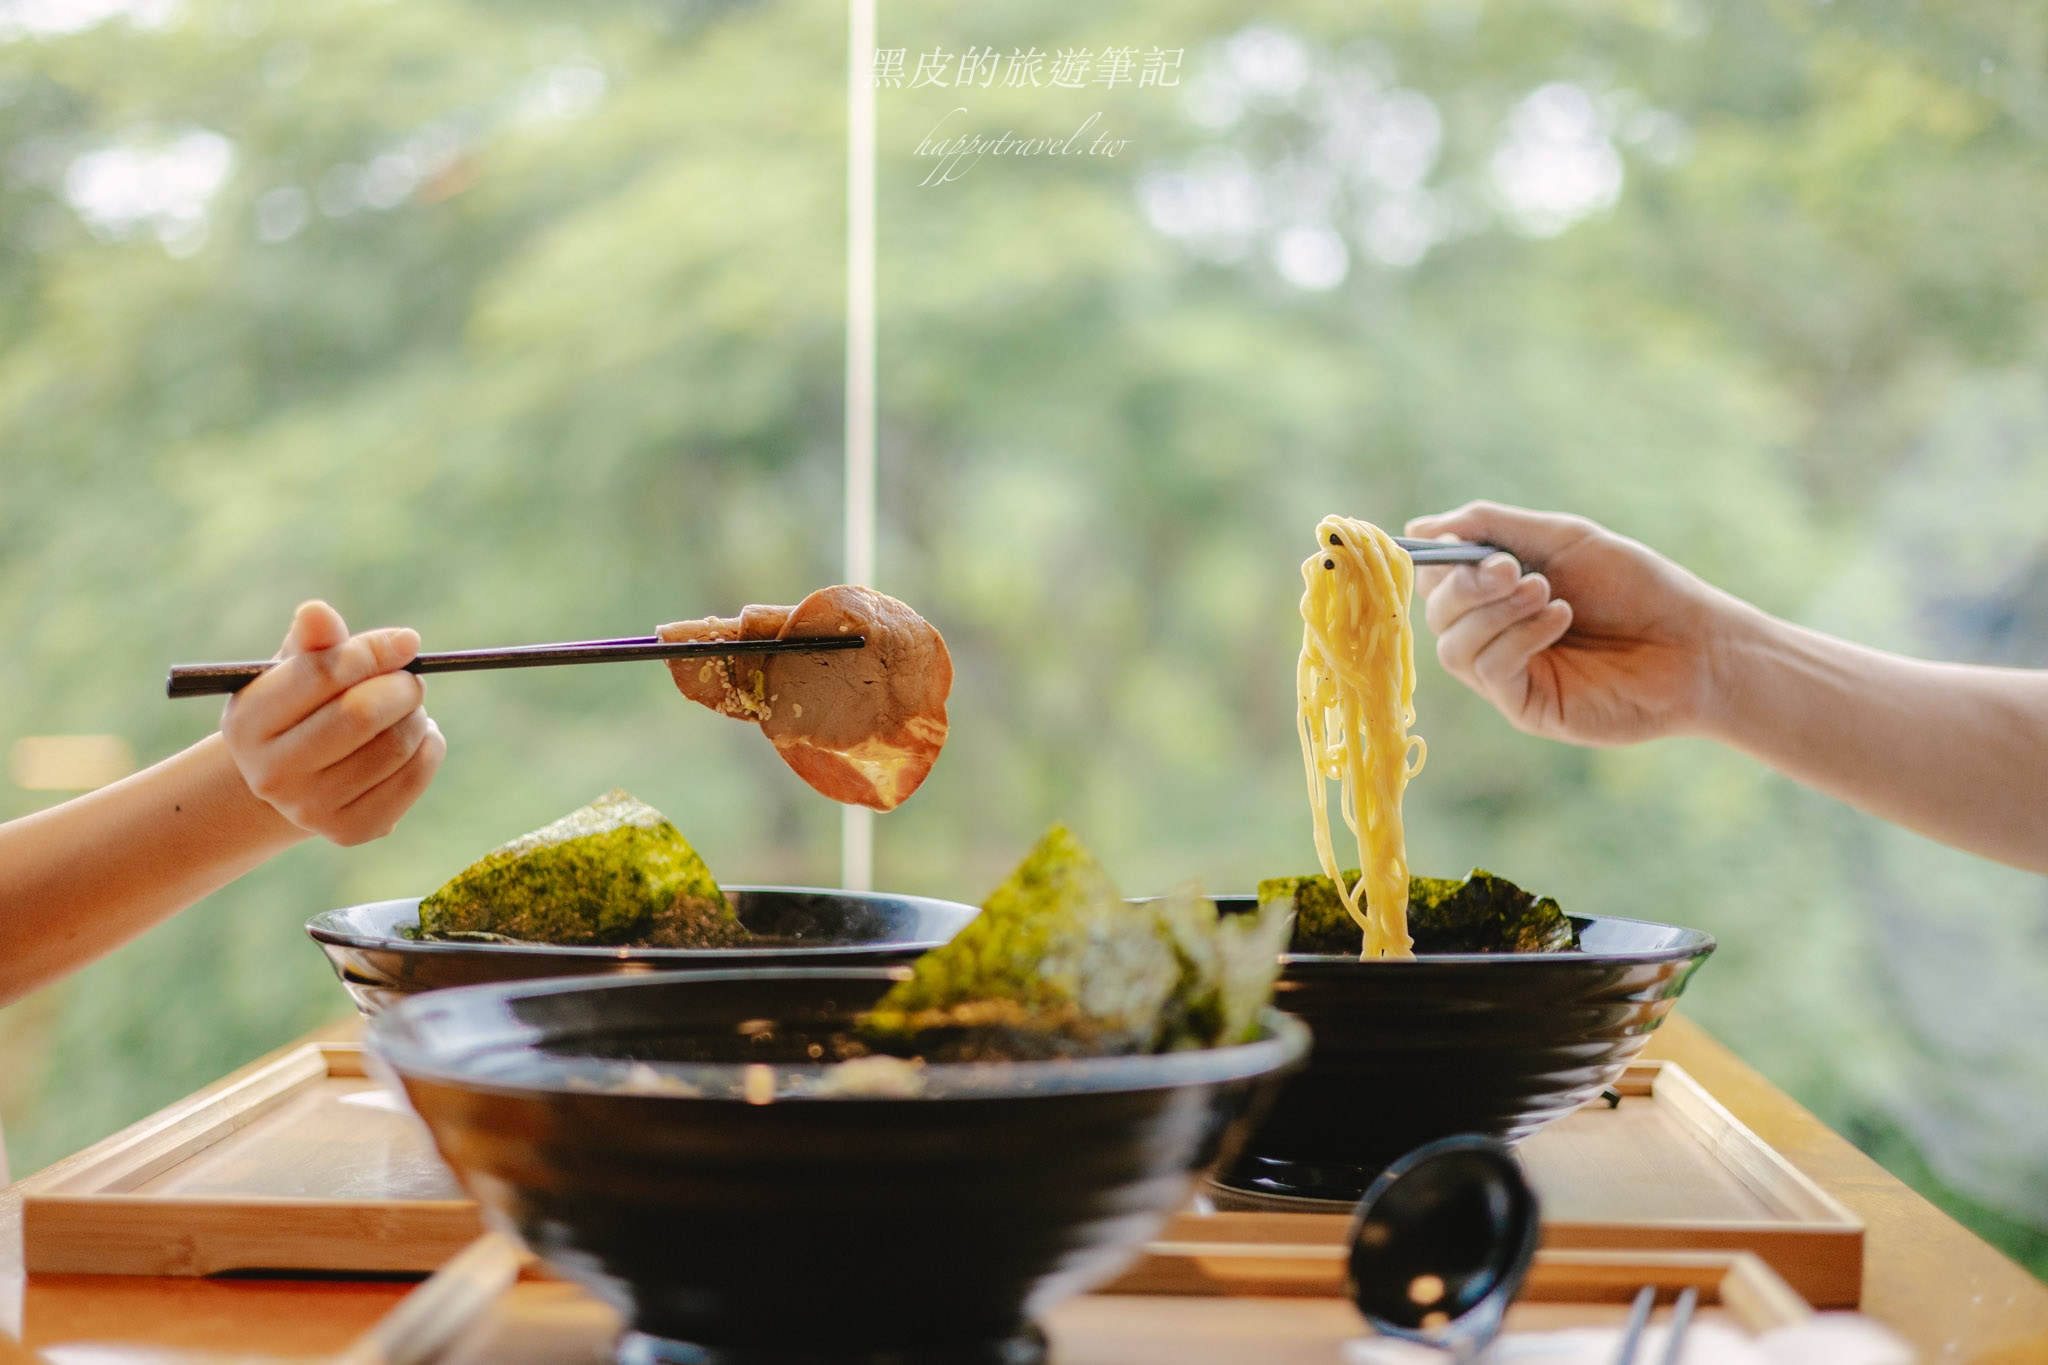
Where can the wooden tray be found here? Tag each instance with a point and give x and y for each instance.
(1289, 1305)
(1667, 1168)
(304, 1164)
(1740, 1280)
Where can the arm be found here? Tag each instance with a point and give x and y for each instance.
(1955, 752)
(332, 741)
(80, 879)
(1607, 642)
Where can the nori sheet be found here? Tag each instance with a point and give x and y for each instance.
(614, 873)
(1481, 914)
(1058, 964)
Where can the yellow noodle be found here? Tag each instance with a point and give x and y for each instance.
(1356, 700)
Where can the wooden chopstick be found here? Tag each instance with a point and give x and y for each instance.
(200, 680)
(429, 1319)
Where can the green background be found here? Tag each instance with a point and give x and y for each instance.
(583, 375)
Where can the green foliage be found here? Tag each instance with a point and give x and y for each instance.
(583, 376)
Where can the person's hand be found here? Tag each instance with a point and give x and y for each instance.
(1603, 641)
(335, 737)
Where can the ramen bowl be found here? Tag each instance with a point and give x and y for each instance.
(792, 926)
(673, 1143)
(1496, 1043)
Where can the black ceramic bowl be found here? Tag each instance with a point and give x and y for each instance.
(795, 927)
(1494, 1043)
(753, 1221)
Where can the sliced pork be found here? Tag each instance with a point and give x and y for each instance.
(862, 726)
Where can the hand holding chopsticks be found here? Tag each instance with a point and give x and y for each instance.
(199, 680)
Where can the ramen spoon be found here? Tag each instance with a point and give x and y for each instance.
(1441, 1242)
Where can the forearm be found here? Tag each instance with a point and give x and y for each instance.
(79, 879)
(1956, 752)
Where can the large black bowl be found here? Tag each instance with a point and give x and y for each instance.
(794, 926)
(1494, 1043)
(752, 1221)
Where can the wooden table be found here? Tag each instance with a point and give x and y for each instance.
(1926, 1276)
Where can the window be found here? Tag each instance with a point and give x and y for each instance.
(526, 322)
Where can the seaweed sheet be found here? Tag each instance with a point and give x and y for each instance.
(1058, 964)
(1480, 914)
(615, 872)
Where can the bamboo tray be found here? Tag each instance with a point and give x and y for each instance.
(1666, 1168)
(304, 1164)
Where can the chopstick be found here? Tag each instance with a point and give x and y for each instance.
(1639, 1316)
(1446, 551)
(429, 1319)
(200, 680)
(1632, 1334)
(1681, 1322)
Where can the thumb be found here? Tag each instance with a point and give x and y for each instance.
(315, 626)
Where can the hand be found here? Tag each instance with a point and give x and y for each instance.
(335, 737)
(1603, 642)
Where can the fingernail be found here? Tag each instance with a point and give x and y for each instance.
(1497, 565)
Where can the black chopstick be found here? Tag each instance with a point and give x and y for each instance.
(201, 680)
(1446, 551)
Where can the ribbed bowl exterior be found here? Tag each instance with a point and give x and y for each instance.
(379, 966)
(1409, 1052)
(843, 1227)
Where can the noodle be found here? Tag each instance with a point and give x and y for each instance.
(1355, 702)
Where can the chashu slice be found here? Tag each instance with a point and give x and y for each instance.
(862, 726)
(730, 685)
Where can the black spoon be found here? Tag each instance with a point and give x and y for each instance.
(1441, 1242)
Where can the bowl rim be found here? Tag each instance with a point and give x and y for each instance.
(1283, 1045)
(325, 928)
